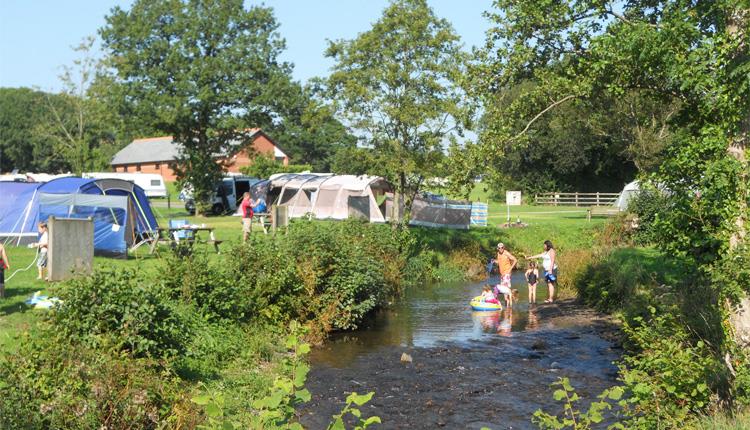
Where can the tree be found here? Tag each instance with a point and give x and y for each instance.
(395, 86)
(310, 132)
(264, 165)
(587, 144)
(693, 55)
(202, 71)
(77, 124)
(21, 147)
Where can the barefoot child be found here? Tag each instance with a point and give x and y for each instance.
(532, 277)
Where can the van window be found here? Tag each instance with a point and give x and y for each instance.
(155, 182)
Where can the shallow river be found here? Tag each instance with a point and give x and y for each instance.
(468, 369)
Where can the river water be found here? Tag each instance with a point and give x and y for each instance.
(468, 369)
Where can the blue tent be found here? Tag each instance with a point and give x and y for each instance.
(121, 220)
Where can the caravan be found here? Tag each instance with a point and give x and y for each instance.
(152, 183)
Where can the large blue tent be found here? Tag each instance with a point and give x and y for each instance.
(122, 214)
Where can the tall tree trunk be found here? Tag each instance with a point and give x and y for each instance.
(740, 316)
(399, 199)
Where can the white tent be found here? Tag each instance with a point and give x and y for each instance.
(626, 194)
(330, 196)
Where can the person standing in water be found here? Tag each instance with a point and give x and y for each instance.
(505, 264)
(549, 263)
(532, 275)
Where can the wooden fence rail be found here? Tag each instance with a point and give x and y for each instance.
(576, 199)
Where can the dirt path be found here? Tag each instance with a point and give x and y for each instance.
(497, 384)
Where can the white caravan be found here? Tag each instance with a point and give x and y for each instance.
(152, 183)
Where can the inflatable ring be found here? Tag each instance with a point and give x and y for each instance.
(478, 305)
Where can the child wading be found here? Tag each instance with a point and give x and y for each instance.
(532, 277)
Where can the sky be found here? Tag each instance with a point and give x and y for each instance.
(37, 36)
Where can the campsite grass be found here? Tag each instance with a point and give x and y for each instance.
(566, 227)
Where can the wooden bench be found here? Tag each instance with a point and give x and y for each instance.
(602, 211)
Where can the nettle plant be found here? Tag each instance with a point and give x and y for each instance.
(277, 409)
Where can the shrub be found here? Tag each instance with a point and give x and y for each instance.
(51, 383)
(666, 374)
(350, 268)
(119, 306)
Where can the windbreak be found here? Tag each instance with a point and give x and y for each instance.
(109, 213)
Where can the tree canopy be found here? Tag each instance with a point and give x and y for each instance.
(204, 72)
(693, 58)
(396, 87)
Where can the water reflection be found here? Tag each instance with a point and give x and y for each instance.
(429, 315)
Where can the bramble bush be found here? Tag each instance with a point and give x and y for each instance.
(52, 383)
(120, 306)
(329, 274)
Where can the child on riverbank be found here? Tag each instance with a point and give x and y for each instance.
(532, 277)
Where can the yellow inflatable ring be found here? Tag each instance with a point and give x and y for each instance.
(478, 305)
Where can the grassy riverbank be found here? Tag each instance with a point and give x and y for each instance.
(216, 323)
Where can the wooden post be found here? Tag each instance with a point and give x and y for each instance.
(597, 198)
(576, 198)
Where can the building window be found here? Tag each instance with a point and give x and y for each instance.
(137, 167)
(124, 168)
(157, 166)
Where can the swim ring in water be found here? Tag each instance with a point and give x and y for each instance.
(478, 305)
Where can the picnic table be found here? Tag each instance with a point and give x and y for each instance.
(184, 234)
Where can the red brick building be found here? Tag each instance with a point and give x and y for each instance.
(159, 155)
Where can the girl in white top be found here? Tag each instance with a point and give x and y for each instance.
(43, 243)
(549, 263)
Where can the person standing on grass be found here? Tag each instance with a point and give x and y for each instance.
(549, 263)
(43, 244)
(505, 264)
(247, 215)
(259, 207)
(4, 264)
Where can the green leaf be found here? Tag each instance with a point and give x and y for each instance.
(615, 393)
(212, 410)
(372, 420)
(291, 341)
(337, 424)
(300, 374)
(303, 395)
(201, 400)
(558, 395)
(359, 400)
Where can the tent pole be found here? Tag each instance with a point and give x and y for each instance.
(28, 209)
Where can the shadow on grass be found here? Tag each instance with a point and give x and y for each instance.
(14, 300)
